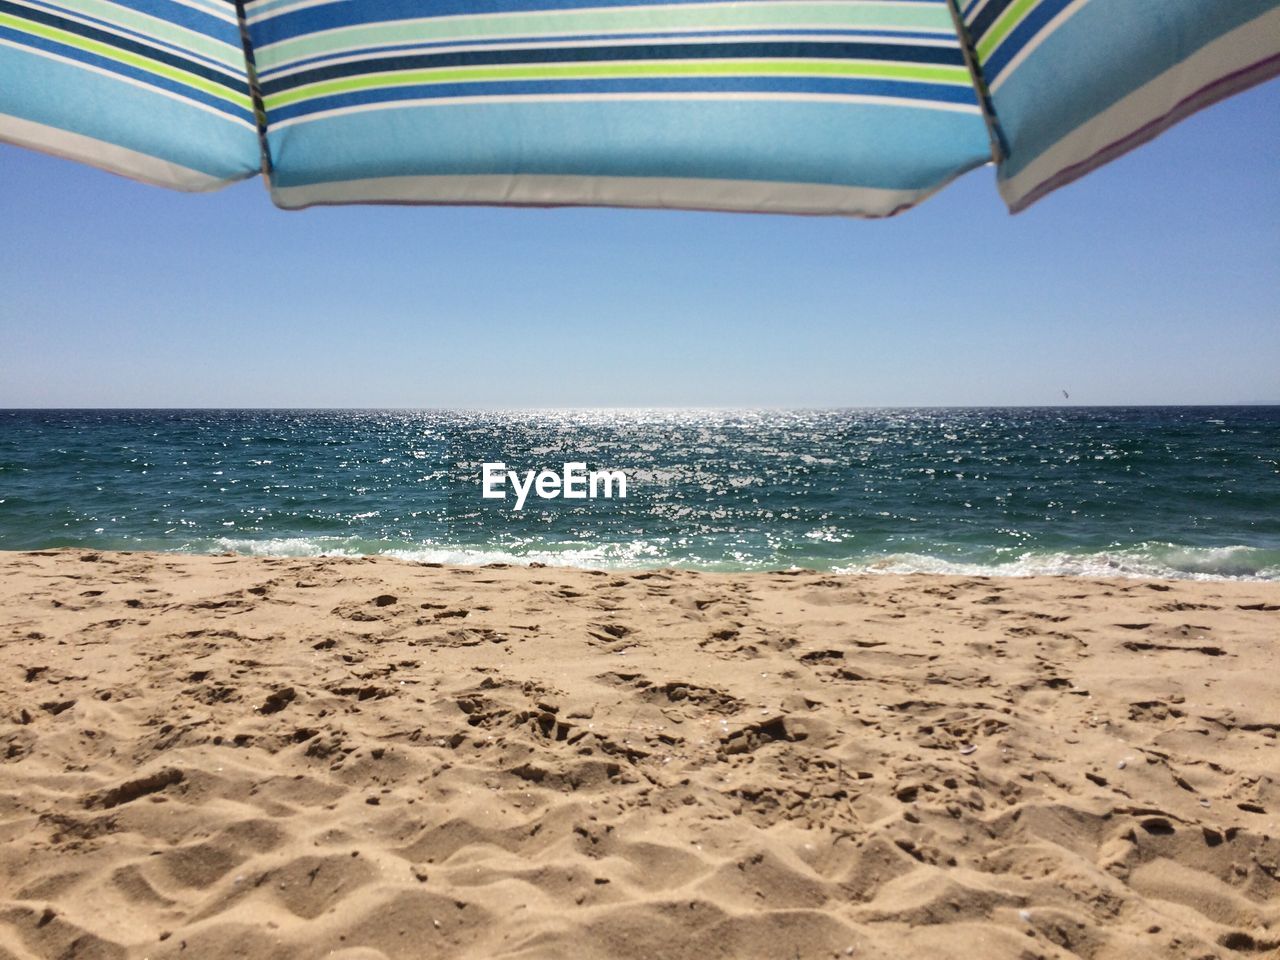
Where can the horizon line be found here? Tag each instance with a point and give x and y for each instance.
(670, 407)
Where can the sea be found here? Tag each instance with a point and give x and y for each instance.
(1184, 492)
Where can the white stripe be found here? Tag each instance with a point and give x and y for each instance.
(941, 38)
(281, 11)
(223, 11)
(1248, 44)
(194, 104)
(974, 11)
(106, 156)
(757, 196)
(1063, 16)
(276, 125)
(226, 67)
(462, 45)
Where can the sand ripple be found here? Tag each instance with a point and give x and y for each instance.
(214, 757)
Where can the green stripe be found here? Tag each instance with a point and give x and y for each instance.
(231, 55)
(666, 68)
(129, 59)
(519, 26)
(1003, 27)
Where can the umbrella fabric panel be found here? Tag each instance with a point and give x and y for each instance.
(152, 89)
(835, 106)
(1077, 83)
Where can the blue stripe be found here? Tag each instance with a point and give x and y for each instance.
(189, 17)
(66, 97)
(828, 86)
(1088, 76)
(124, 70)
(980, 25)
(147, 49)
(868, 145)
(109, 26)
(314, 19)
(1022, 35)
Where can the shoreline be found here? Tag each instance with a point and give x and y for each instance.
(1084, 566)
(366, 758)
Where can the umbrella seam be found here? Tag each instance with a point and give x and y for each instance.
(999, 145)
(255, 91)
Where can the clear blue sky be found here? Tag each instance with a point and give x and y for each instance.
(1155, 280)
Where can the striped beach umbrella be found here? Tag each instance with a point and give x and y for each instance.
(860, 107)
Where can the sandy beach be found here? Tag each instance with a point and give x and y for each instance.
(219, 756)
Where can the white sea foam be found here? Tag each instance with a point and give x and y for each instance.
(281, 546)
(1157, 560)
(609, 556)
(1166, 561)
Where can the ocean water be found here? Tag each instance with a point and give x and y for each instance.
(1154, 491)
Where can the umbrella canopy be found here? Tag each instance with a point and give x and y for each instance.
(860, 107)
